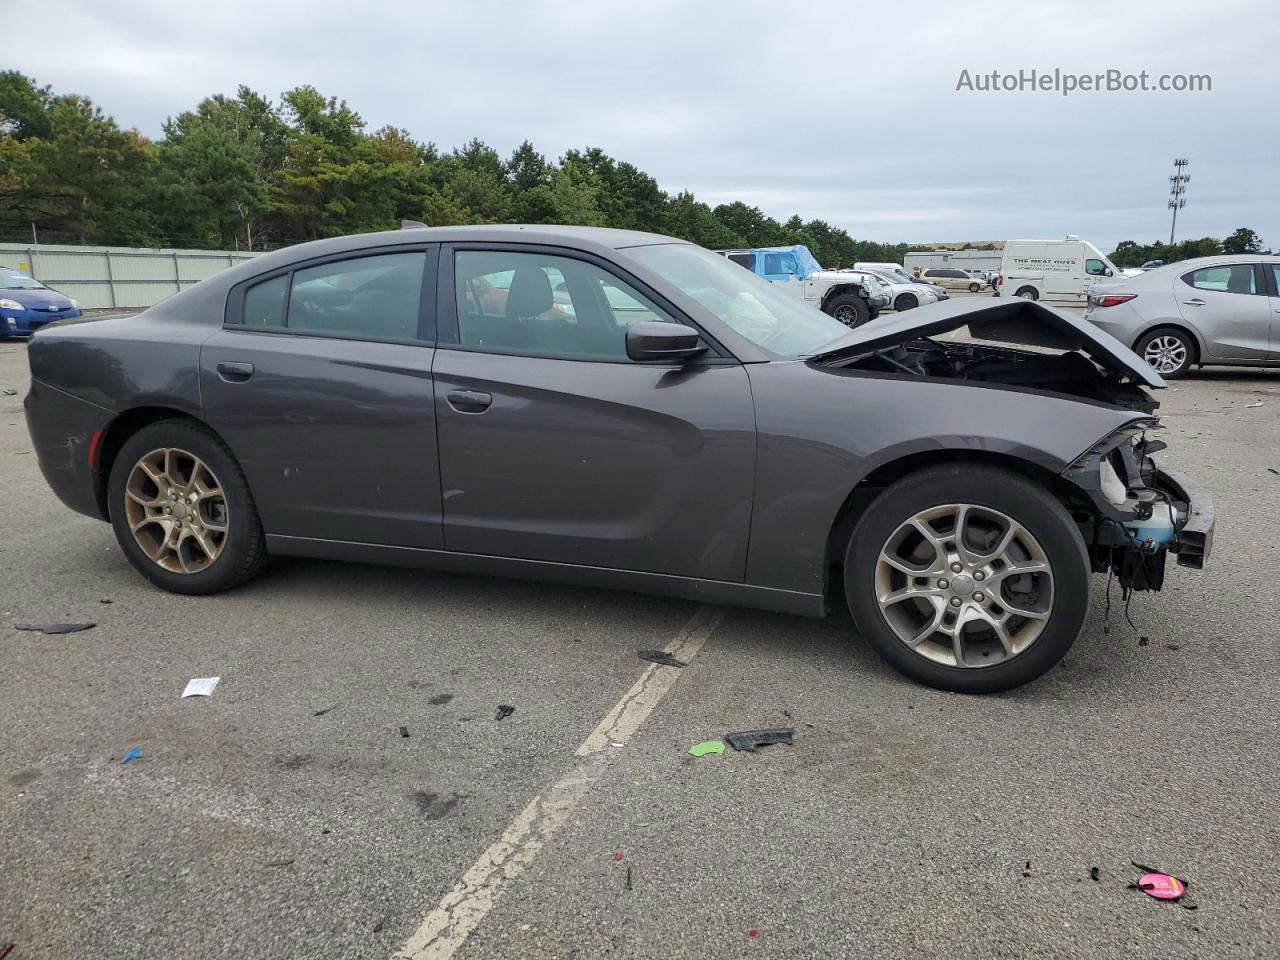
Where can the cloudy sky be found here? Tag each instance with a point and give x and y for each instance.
(843, 111)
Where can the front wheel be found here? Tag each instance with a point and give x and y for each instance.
(182, 511)
(968, 578)
(908, 301)
(975, 287)
(1028, 293)
(849, 308)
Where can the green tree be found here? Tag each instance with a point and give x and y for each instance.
(1242, 240)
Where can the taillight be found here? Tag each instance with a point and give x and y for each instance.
(1113, 299)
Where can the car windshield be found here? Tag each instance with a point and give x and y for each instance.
(770, 318)
(12, 280)
(808, 263)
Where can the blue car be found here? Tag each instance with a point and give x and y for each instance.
(26, 305)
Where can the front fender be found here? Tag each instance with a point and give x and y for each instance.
(821, 431)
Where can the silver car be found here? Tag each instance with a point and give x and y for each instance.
(1213, 310)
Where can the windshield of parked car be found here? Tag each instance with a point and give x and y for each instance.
(752, 307)
(12, 280)
(808, 263)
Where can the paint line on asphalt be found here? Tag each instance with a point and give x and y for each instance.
(447, 927)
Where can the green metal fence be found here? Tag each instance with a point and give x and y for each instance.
(122, 277)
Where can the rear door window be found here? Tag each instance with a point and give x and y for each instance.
(1227, 278)
(747, 260)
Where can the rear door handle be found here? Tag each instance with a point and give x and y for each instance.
(1195, 302)
(469, 401)
(234, 371)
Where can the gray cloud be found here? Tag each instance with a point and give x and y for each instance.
(841, 111)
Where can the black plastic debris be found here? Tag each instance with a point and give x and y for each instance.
(404, 732)
(105, 600)
(1026, 871)
(56, 627)
(504, 711)
(1095, 874)
(628, 876)
(279, 863)
(1273, 470)
(660, 656)
(748, 740)
(9, 393)
(1143, 641)
(321, 713)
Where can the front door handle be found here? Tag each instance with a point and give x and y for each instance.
(1195, 302)
(234, 371)
(469, 401)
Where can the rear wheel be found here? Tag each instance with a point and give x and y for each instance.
(182, 511)
(1169, 351)
(1027, 293)
(907, 301)
(968, 578)
(975, 287)
(849, 308)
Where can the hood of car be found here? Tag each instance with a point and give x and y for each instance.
(35, 298)
(1013, 321)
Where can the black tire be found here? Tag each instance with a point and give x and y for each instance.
(1027, 293)
(244, 552)
(975, 287)
(1026, 502)
(1187, 345)
(849, 308)
(906, 301)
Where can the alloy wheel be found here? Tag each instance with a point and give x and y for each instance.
(964, 585)
(847, 315)
(177, 510)
(1166, 354)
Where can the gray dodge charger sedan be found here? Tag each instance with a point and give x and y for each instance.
(631, 411)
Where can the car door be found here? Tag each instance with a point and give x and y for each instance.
(1064, 272)
(320, 382)
(554, 446)
(783, 270)
(1271, 273)
(1227, 305)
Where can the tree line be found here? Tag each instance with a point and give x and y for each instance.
(251, 173)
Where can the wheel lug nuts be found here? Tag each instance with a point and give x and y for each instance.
(956, 568)
(979, 597)
(979, 575)
(942, 584)
(955, 601)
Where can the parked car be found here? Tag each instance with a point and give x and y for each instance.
(951, 279)
(1218, 310)
(904, 293)
(26, 304)
(1058, 270)
(391, 398)
(851, 297)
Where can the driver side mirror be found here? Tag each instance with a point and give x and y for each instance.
(1108, 272)
(655, 341)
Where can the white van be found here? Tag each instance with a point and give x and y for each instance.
(1058, 270)
(884, 267)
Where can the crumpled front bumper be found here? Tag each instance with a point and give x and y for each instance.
(1195, 537)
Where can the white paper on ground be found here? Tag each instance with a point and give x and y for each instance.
(200, 687)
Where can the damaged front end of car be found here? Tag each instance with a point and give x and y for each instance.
(1132, 512)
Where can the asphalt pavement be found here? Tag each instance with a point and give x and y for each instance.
(286, 815)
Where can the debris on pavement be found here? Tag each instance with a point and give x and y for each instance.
(1273, 470)
(404, 732)
(1143, 641)
(56, 627)
(660, 656)
(1249, 406)
(750, 739)
(617, 855)
(628, 876)
(132, 754)
(1160, 886)
(1095, 874)
(504, 710)
(1026, 871)
(200, 687)
(705, 747)
(279, 863)
(9, 393)
(4, 949)
(753, 933)
(321, 713)
(106, 600)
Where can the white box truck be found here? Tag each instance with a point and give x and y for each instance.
(1055, 270)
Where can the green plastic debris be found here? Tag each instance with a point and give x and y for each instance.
(705, 747)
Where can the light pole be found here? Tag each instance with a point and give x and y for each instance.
(1177, 187)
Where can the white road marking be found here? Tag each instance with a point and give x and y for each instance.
(447, 927)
